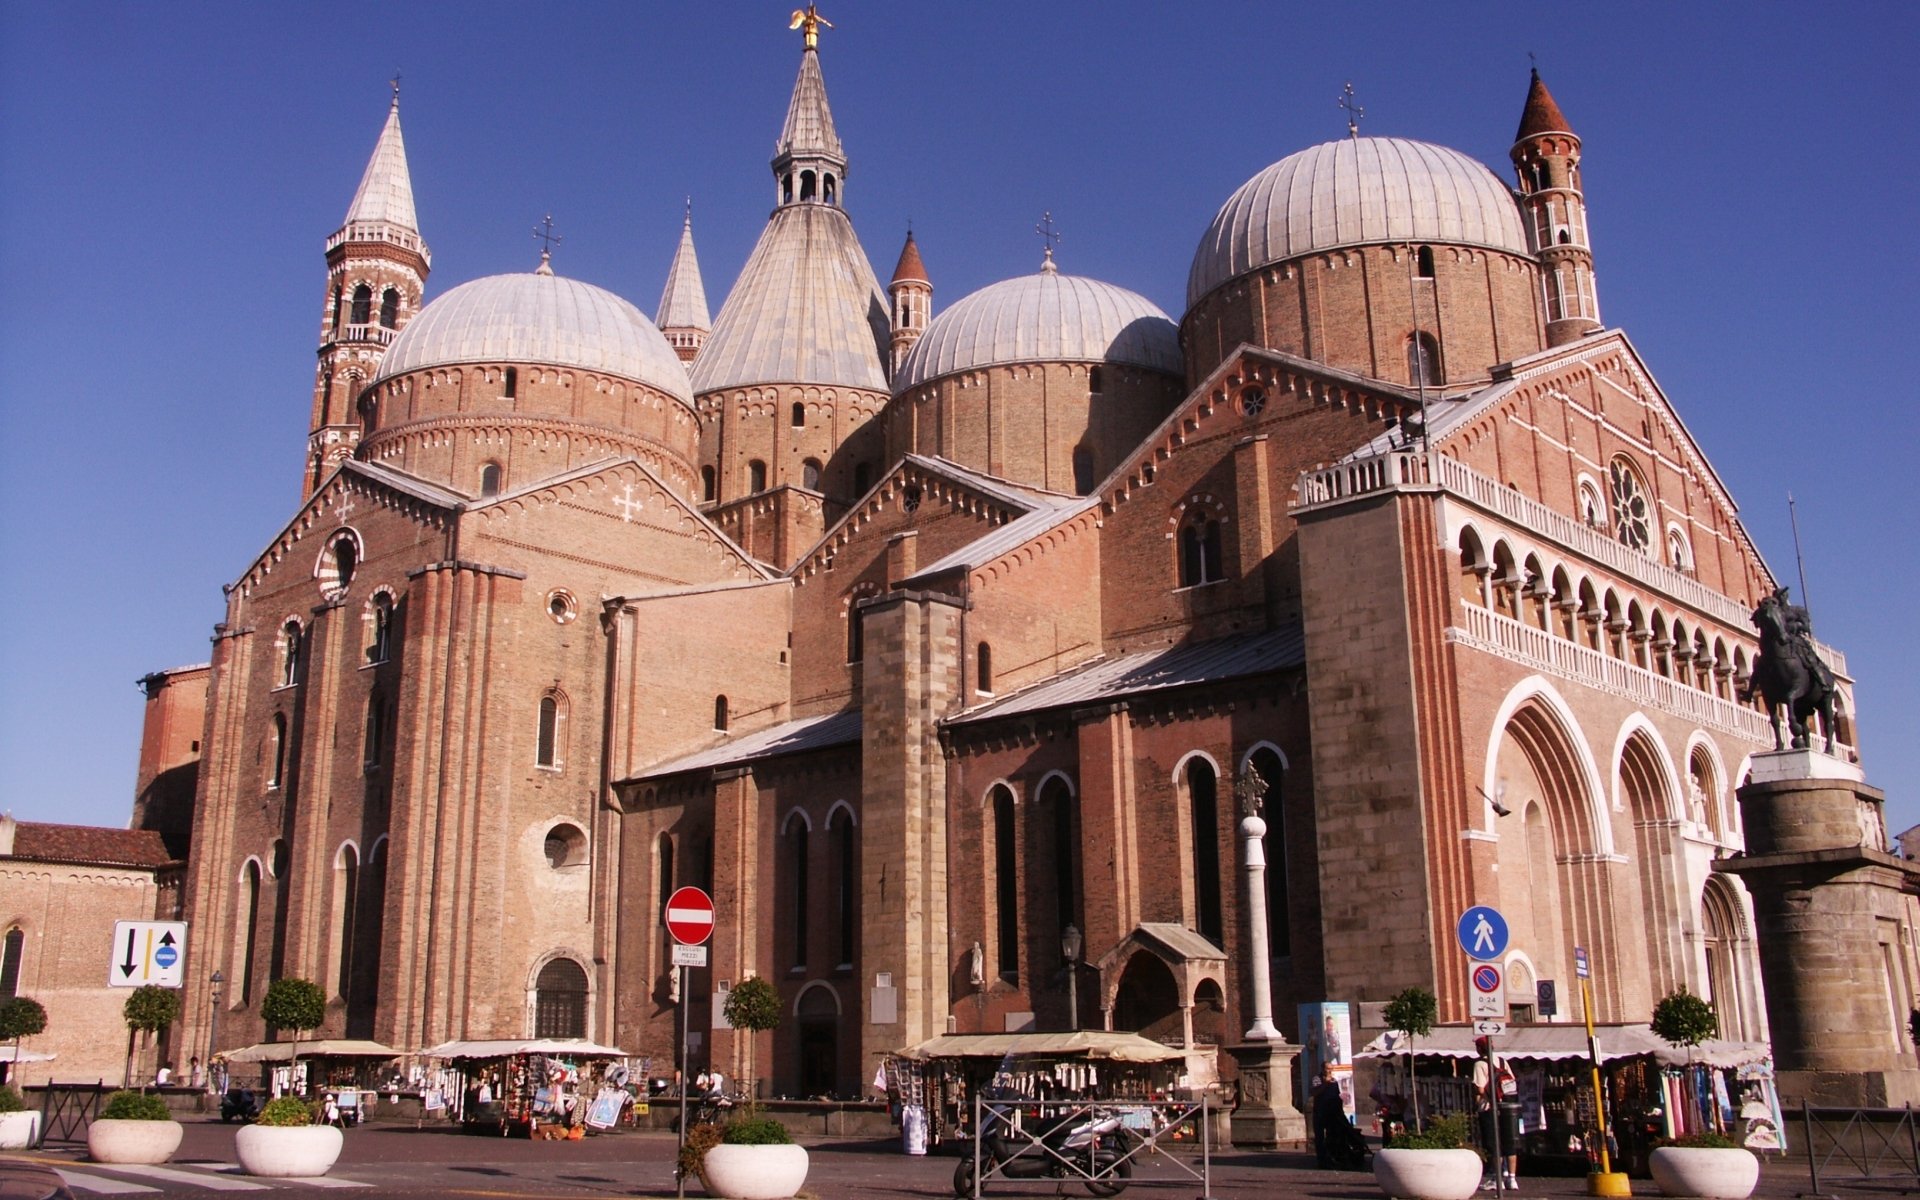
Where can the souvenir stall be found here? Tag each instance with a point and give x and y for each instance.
(939, 1077)
(1722, 1087)
(539, 1088)
(345, 1071)
(1559, 1128)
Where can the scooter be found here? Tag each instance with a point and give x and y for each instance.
(239, 1103)
(1090, 1140)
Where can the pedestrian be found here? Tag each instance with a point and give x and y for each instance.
(1497, 1095)
(1329, 1114)
(164, 1075)
(193, 1073)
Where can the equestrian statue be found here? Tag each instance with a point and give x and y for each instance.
(1789, 673)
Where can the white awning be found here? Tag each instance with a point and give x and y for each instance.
(507, 1048)
(1087, 1043)
(318, 1048)
(7, 1054)
(1567, 1041)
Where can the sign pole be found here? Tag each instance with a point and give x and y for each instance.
(1493, 1109)
(1607, 1182)
(679, 1171)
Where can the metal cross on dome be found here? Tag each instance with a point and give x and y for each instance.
(548, 237)
(1355, 114)
(1048, 235)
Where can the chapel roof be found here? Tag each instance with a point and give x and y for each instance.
(1352, 192)
(89, 844)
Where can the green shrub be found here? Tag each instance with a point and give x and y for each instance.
(286, 1111)
(1441, 1133)
(700, 1139)
(135, 1106)
(10, 1100)
(756, 1131)
(1684, 1019)
(1701, 1141)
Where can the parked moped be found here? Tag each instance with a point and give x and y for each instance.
(1083, 1144)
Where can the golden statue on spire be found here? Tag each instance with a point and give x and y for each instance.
(810, 20)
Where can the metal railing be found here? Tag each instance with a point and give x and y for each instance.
(1860, 1145)
(66, 1109)
(1102, 1160)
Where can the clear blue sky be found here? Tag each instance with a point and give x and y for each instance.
(168, 175)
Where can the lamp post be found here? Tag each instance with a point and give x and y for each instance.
(213, 1029)
(1070, 950)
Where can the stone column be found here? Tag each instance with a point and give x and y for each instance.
(1824, 886)
(1265, 1058)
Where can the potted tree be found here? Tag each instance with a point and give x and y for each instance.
(1413, 1013)
(1709, 1165)
(756, 1158)
(283, 1142)
(133, 1127)
(19, 1126)
(1433, 1164)
(148, 1010)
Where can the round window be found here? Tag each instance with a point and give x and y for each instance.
(1629, 506)
(1253, 401)
(566, 846)
(561, 606)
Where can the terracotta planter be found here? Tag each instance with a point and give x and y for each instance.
(287, 1151)
(19, 1130)
(1427, 1174)
(116, 1141)
(754, 1172)
(1713, 1174)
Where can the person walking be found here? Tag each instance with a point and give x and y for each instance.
(1329, 1113)
(1497, 1095)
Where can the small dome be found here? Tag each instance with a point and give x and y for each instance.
(1353, 192)
(1046, 317)
(538, 318)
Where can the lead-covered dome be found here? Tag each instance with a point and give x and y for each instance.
(1048, 317)
(538, 318)
(1354, 192)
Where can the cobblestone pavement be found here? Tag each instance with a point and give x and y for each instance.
(399, 1161)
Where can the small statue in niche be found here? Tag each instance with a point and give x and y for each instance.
(977, 965)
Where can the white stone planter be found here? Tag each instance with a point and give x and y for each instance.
(1427, 1174)
(1713, 1174)
(19, 1130)
(754, 1172)
(115, 1141)
(287, 1151)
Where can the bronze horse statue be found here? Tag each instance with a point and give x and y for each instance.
(1789, 674)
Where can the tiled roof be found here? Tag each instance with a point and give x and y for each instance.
(91, 844)
(1542, 115)
(910, 266)
(1153, 671)
(789, 737)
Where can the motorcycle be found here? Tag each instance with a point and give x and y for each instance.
(1086, 1145)
(239, 1103)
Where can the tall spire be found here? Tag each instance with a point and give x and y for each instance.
(809, 163)
(386, 190)
(912, 294)
(1546, 159)
(683, 315)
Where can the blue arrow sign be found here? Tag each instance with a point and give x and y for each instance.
(1483, 932)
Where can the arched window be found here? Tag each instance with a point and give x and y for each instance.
(806, 185)
(381, 648)
(1006, 885)
(856, 637)
(1095, 381)
(786, 189)
(375, 741)
(510, 386)
(1423, 360)
(1058, 854)
(1677, 556)
(290, 654)
(799, 417)
(862, 478)
(983, 670)
(847, 879)
(1425, 260)
(362, 305)
(720, 713)
(1203, 819)
(389, 308)
(249, 929)
(828, 189)
(560, 1001)
(339, 309)
(796, 838)
(1083, 479)
(810, 474)
(664, 864)
(1199, 548)
(10, 952)
(547, 744)
(490, 479)
(756, 476)
(1272, 772)
(345, 555)
(279, 751)
(709, 483)
(1593, 514)
(346, 882)
(565, 846)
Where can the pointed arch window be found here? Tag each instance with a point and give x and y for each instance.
(1199, 548)
(847, 879)
(1423, 360)
(290, 654)
(376, 733)
(381, 648)
(249, 938)
(797, 862)
(1203, 818)
(362, 306)
(389, 308)
(279, 751)
(346, 882)
(1006, 884)
(14, 946)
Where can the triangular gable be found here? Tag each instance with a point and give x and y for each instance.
(333, 503)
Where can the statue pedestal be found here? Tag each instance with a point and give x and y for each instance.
(1265, 1117)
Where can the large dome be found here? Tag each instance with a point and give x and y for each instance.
(1048, 317)
(538, 318)
(1353, 192)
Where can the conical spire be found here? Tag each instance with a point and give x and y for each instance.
(1541, 115)
(809, 131)
(910, 267)
(683, 303)
(386, 190)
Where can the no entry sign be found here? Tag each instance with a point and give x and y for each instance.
(690, 916)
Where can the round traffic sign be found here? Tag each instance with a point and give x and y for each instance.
(1486, 978)
(690, 916)
(1483, 932)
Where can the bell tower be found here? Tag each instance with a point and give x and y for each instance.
(912, 295)
(1546, 156)
(376, 271)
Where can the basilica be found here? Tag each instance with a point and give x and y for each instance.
(921, 635)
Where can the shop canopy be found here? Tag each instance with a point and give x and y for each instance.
(1566, 1041)
(507, 1048)
(10, 1055)
(1087, 1044)
(279, 1052)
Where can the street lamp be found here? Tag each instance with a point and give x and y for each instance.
(1070, 950)
(213, 1028)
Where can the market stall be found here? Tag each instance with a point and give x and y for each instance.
(346, 1071)
(1654, 1090)
(939, 1077)
(549, 1087)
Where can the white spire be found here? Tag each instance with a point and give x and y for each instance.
(683, 303)
(386, 190)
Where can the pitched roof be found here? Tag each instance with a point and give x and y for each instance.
(1541, 115)
(788, 737)
(90, 844)
(683, 303)
(386, 190)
